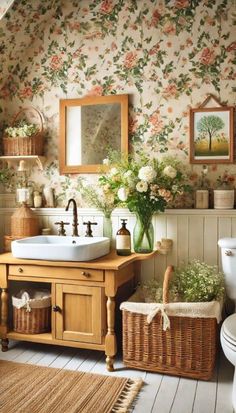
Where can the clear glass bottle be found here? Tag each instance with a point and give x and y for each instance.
(123, 240)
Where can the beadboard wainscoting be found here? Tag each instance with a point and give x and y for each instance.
(194, 232)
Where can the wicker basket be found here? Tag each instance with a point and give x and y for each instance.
(187, 349)
(32, 315)
(32, 145)
(24, 222)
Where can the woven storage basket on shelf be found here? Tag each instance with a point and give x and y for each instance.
(32, 315)
(30, 145)
(187, 348)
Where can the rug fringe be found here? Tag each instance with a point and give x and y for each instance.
(128, 396)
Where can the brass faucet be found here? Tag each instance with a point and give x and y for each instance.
(75, 217)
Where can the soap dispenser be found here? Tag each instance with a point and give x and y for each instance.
(123, 240)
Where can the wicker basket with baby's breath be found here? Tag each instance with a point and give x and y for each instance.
(25, 135)
(178, 338)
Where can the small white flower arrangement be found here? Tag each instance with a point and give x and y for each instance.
(21, 130)
(198, 281)
(193, 282)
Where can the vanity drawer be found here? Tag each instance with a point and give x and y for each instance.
(64, 273)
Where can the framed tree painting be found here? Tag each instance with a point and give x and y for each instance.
(211, 135)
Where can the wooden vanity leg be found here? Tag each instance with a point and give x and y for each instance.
(110, 340)
(4, 318)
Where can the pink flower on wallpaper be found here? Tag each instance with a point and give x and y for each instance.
(133, 125)
(13, 28)
(170, 91)
(156, 123)
(181, 4)
(5, 92)
(231, 47)
(96, 90)
(193, 177)
(114, 46)
(106, 6)
(182, 21)
(74, 26)
(169, 28)
(155, 18)
(56, 62)
(26, 92)
(130, 60)
(93, 35)
(154, 49)
(207, 57)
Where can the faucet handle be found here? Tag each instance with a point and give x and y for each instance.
(88, 229)
(61, 230)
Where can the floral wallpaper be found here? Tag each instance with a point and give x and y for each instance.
(167, 55)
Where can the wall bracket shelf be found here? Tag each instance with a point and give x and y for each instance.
(28, 158)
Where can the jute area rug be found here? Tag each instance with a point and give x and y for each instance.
(25, 388)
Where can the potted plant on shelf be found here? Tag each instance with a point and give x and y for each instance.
(224, 194)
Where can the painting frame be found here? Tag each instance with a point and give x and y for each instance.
(198, 153)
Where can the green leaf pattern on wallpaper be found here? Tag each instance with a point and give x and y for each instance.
(167, 55)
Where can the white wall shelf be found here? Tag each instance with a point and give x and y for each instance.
(11, 160)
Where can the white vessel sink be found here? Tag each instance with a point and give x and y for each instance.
(60, 248)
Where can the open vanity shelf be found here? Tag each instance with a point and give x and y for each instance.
(85, 299)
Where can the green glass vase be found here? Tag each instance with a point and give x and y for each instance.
(107, 227)
(143, 234)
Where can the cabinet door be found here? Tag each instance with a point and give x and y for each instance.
(81, 313)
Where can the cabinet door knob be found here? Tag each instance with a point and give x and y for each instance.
(20, 269)
(86, 274)
(56, 309)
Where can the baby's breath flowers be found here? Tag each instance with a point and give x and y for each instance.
(193, 282)
(21, 130)
(198, 281)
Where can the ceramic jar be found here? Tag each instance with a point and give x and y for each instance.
(37, 199)
(202, 199)
(224, 198)
(48, 197)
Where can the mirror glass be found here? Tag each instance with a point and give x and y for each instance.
(88, 127)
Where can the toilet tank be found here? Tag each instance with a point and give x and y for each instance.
(228, 259)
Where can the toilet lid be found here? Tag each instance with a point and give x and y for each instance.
(229, 328)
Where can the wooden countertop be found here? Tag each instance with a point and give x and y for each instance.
(112, 261)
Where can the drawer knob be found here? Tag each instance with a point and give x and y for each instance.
(86, 274)
(56, 309)
(20, 269)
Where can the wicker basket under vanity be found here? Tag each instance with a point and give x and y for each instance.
(32, 312)
(187, 348)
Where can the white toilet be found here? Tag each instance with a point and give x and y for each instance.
(228, 329)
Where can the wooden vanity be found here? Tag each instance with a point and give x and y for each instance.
(84, 297)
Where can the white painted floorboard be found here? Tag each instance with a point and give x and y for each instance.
(159, 394)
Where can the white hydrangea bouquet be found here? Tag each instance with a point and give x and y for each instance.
(144, 186)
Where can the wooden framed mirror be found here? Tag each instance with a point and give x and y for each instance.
(88, 127)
